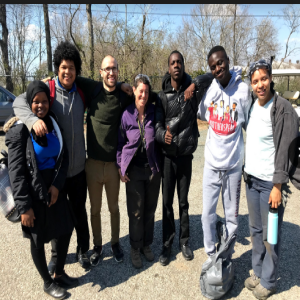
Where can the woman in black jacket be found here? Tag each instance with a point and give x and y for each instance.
(271, 132)
(37, 170)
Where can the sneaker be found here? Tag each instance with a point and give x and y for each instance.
(164, 258)
(136, 258)
(95, 257)
(262, 293)
(148, 253)
(117, 252)
(83, 260)
(251, 282)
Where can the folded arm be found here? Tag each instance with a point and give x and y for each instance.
(23, 111)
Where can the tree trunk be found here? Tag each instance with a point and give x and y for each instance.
(91, 38)
(4, 48)
(234, 46)
(142, 45)
(125, 45)
(48, 38)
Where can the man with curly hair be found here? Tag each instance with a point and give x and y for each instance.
(69, 109)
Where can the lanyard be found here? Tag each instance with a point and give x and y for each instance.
(142, 132)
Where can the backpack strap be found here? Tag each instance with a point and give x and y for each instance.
(52, 91)
(82, 97)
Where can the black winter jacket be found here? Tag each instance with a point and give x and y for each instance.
(26, 181)
(179, 115)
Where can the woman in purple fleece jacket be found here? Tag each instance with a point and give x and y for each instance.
(137, 160)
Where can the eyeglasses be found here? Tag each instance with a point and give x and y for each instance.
(108, 70)
(142, 76)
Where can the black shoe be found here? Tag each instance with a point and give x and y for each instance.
(66, 281)
(186, 252)
(51, 267)
(55, 291)
(164, 257)
(95, 257)
(117, 252)
(83, 260)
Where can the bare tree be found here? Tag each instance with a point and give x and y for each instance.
(4, 48)
(234, 32)
(25, 51)
(79, 46)
(91, 38)
(226, 25)
(142, 60)
(48, 38)
(292, 21)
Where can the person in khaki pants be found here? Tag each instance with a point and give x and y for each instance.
(103, 119)
(99, 174)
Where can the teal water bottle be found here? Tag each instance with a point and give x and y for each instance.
(272, 226)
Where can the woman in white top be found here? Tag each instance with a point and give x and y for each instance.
(272, 126)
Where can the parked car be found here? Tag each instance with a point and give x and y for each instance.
(6, 100)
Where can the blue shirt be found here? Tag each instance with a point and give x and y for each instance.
(73, 89)
(46, 156)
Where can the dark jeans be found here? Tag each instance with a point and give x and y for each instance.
(265, 257)
(76, 188)
(176, 170)
(142, 195)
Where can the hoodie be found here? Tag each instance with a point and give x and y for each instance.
(226, 110)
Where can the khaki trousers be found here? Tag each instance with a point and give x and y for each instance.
(99, 174)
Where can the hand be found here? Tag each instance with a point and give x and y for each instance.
(168, 136)
(40, 128)
(127, 88)
(46, 79)
(27, 218)
(275, 196)
(54, 194)
(189, 92)
(124, 178)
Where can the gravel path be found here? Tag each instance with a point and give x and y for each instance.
(179, 280)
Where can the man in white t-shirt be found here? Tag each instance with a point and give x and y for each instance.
(224, 146)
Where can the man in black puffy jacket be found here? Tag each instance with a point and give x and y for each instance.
(177, 132)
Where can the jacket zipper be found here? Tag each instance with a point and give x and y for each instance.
(180, 113)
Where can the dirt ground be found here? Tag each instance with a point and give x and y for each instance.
(179, 280)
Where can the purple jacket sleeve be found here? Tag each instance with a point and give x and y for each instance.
(121, 142)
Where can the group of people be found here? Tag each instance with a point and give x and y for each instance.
(142, 139)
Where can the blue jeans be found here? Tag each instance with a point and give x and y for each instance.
(265, 257)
